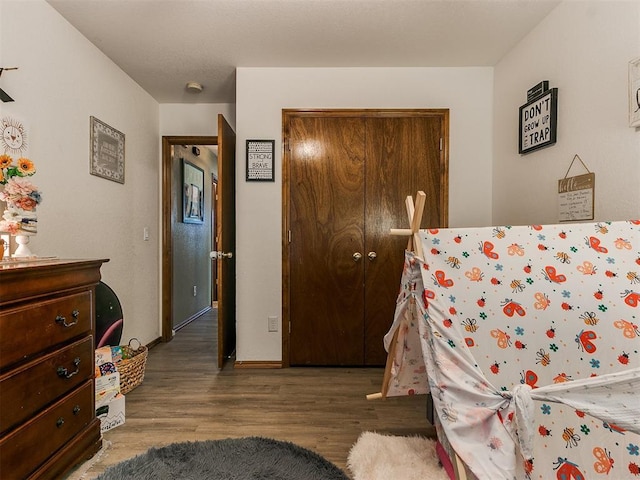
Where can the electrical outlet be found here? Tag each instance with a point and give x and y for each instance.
(273, 324)
(195, 290)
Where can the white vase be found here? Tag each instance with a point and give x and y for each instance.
(23, 246)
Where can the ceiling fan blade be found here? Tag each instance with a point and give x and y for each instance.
(4, 96)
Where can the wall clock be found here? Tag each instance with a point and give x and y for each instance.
(14, 136)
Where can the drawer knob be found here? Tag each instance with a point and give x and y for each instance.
(62, 320)
(76, 410)
(64, 373)
(59, 422)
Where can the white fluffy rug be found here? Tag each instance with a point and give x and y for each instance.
(384, 457)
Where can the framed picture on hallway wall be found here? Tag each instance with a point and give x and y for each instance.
(634, 93)
(192, 193)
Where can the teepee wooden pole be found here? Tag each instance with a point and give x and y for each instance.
(416, 218)
(414, 214)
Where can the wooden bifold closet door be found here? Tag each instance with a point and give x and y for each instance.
(349, 172)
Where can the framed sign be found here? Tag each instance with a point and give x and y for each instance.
(634, 93)
(107, 151)
(576, 197)
(260, 160)
(192, 193)
(538, 122)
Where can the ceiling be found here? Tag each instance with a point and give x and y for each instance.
(163, 44)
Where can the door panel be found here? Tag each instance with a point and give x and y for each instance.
(326, 223)
(226, 213)
(403, 156)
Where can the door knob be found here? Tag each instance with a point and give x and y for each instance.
(372, 256)
(357, 256)
(221, 255)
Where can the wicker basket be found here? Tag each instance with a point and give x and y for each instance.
(132, 367)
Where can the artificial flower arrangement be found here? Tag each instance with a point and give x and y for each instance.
(20, 195)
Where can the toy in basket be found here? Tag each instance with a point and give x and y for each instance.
(131, 366)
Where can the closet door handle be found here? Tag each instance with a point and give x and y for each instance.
(372, 256)
(357, 256)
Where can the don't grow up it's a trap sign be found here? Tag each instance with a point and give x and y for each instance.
(538, 118)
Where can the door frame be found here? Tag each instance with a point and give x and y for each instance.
(443, 201)
(167, 225)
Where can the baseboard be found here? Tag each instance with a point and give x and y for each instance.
(190, 319)
(257, 364)
(153, 343)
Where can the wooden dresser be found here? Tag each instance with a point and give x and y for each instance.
(47, 328)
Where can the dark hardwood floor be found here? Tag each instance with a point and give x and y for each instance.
(184, 397)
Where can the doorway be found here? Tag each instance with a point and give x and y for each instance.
(224, 237)
(347, 174)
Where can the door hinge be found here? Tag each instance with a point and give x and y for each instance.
(289, 327)
(441, 143)
(289, 236)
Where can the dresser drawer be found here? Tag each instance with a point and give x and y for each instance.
(28, 330)
(29, 446)
(28, 389)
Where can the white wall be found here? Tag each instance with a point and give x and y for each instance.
(62, 80)
(262, 93)
(200, 119)
(583, 48)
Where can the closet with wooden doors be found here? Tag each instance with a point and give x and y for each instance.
(346, 174)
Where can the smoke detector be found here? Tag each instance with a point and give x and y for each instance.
(194, 87)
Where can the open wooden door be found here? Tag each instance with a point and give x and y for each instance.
(226, 233)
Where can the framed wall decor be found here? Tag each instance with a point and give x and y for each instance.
(260, 160)
(634, 93)
(576, 198)
(538, 122)
(192, 193)
(576, 195)
(107, 151)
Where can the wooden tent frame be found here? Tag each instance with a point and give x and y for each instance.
(414, 245)
(414, 214)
